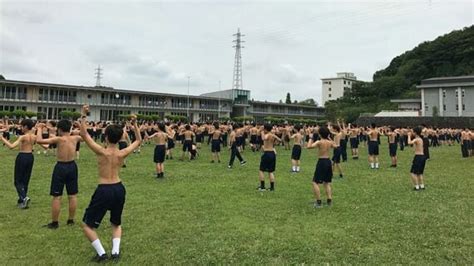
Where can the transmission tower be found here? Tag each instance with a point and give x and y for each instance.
(98, 76)
(237, 83)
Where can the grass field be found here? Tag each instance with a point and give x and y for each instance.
(203, 213)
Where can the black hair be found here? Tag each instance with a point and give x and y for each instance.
(53, 123)
(216, 125)
(324, 132)
(337, 128)
(187, 127)
(65, 125)
(113, 133)
(417, 131)
(28, 123)
(297, 127)
(372, 125)
(268, 127)
(162, 127)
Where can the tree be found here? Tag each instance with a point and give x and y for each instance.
(2, 77)
(309, 101)
(288, 98)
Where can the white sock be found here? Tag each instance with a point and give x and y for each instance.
(372, 165)
(115, 246)
(297, 168)
(293, 168)
(98, 247)
(422, 186)
(376, 165)
(417, 187)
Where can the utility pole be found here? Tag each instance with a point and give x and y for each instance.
(219, 109)
(98, 76)
(187, 105)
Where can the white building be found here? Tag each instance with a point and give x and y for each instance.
(334, 88)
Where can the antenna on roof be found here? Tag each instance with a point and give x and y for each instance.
(98, 76)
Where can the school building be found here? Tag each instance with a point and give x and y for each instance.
(447, 96)
(107, 103)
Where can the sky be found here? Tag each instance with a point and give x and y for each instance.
(156, 45)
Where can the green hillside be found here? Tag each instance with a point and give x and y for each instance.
(448, 55)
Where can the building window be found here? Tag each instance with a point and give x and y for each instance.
(444, 93)
(349, 82)
(344, 82)
(426, 107)
(444, 107)
(463, 93)
(329, 95)
(463, 107)
(456, 93)
(329, 89)
(457, 107)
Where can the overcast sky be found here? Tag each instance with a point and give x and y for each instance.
(154, 46)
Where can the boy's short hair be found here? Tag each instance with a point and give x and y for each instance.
(28, 123)
(337, 128)
(216, 125)
(268, 127)
(64, 125)
(162, 127)
(417, 130)
(113, 133)
(324, 132)
(187, 127)
(372, 125)
(297, 127)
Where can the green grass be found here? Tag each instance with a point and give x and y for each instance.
(203, 213)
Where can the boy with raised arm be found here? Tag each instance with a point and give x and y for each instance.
(65, 172)
(233, 149)
(215, 136)
(297, 138)
(418, 165)
(24, 161)
(323, 172)
(373, 146)
(268, 159)
(110, 193)
(161, 138)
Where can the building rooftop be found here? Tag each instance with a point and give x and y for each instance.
(437, 82)
(103, 88)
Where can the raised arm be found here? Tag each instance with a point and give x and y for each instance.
(39, 136)
(85, 135)
(11, 145)
(138, 138)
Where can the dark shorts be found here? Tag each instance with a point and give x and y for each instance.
(323, 172)
(159, 155)
(253, 139)
(418, 165)
(336, 158)
(122, 145)
(170, 144)
(187, 145)
(199, 138)
(296, 152)
(64, 174)
(78, 146)
(373, 148)
(268, 162)
(392, 147)
(107, 197)
(354, 143)
(216, 145)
